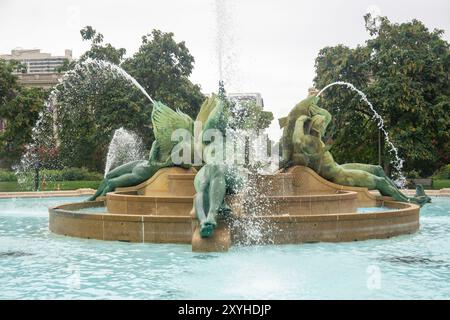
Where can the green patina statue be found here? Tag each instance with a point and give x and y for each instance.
(302, 145)
(165, 121)
(307, 107)
(211, 180)
(215, 179)
(303, 130)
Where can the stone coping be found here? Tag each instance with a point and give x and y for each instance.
(402, 210)
(47, 194)
(66, 220)
(445, 192)
(67, 213)
(129, 196)
(339, 195)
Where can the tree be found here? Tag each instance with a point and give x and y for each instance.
(93, 101)
(163, 66)
(404, 70)
(20, 107)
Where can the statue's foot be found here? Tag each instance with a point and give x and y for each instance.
(420, 200)
(420, 191)
(206, 230)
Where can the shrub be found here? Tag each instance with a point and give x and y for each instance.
(7, 176)
(413, 174)
(442, 173)
(71, 174)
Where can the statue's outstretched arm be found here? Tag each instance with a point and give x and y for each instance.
(154, 152)
(299, 131)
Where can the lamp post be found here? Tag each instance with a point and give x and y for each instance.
(36, 174)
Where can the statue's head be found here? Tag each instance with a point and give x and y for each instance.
(312, 92)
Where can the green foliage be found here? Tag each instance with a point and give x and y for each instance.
(249, 115)
(67, 174)
(100, 50)
(403, 69)
(441, 183)
(163, 66)
(413, 174)
(71, 174)
(91, 108)
(20, 107)
(443, 172)
(50, 186)
(6, 175)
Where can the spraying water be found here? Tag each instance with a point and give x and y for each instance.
(46, 132)
(227, 59)
(116, 70)
(125, 147)
(397, 162)
(92, 65)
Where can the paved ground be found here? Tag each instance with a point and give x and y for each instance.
(438, 193)
(44, 194)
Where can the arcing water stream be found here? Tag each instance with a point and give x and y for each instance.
(397, 162)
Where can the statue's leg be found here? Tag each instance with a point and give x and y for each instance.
(298, 157)
(123, 169)
(126, 180)
(286, 147)
(116, 172)
(217, 189)
(201, 184)
(360, 178)
(99, 191)
(385, 185)
(210, 186)
(202, 201)
(387, 189)
(373, 169)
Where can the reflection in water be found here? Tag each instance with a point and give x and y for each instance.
(14, 254)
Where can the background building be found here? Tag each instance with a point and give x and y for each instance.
(39, 68)
(240, 98)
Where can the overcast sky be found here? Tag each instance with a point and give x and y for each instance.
(269, 45)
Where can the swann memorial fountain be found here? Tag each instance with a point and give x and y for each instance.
(189, 192)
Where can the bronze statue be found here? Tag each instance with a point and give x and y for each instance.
(303, 131)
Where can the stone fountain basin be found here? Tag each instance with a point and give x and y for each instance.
(299, 207)
(277, 228)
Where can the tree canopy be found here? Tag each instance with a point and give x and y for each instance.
(20, 108)
(163, 66)
(93, 102)
(404, 71)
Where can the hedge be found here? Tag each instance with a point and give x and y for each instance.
(68, 174)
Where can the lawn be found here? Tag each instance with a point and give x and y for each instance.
(51, 185)
(441, 183)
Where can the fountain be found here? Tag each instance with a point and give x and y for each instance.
(397, 162)
(170, 199)
(125, 147)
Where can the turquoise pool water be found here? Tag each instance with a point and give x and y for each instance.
(374, 209)
(35, 264)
